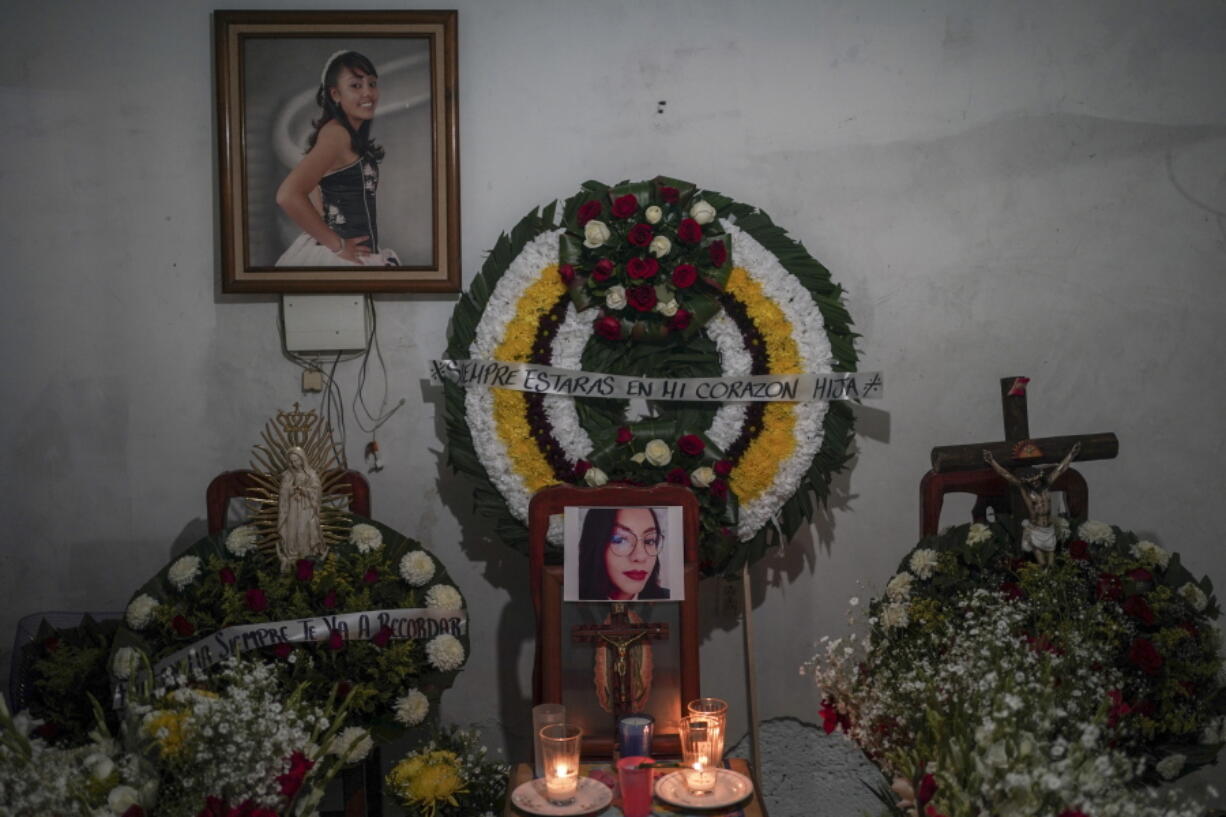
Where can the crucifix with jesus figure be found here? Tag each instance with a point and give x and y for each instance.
(623, 672)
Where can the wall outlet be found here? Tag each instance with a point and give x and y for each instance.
(312, 380)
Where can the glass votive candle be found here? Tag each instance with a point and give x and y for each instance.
(560, 754)
(697, 754)
(542, 716)
(634, 733)
(714, 711)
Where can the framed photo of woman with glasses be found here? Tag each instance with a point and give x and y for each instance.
(623, 554)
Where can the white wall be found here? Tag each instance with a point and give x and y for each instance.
(1003, 188)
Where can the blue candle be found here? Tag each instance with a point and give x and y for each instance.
(634, 735)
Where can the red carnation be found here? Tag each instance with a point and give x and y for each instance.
(927, 789)
(304, 570)
(680, 320)
(182, 626)
(1145, 656)
(718, 253)
(1119, 708)
(719, 489)
(283, 649)
(1140, 575)
(370, 576)
(608, 327)
(567, 272)
(588, 211)
(381, 638)
(830, 715)
(624, 206)
(257, 602)
(227, 576)
(640, 235)
(684, 276)
(1012, 590)
(723, 468)
(689, 231)
(329, 599)
(1079, 549)
(291, 781)
(581, 468)
(643, 298)
(1138, 608)
(1108, 586)
(624, 435)
(51, 644)
(336, 641)
(691, 444)
(669, 195)
(678, 476)
(640, 268)
(603, 270)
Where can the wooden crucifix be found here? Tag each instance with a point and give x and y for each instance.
(615, 639)
(952, 465)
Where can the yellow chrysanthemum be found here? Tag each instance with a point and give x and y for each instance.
(169, 728)
(427, 781)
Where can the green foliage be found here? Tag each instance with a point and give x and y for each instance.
(66, 667)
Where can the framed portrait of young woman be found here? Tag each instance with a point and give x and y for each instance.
(338, 140)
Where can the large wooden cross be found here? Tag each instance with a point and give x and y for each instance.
(1018, 449)
(619, 635)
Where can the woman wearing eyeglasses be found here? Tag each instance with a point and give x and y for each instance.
(619, 555)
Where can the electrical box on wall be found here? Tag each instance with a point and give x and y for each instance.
(324, 323)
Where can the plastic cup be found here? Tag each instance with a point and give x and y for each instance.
(635, 785)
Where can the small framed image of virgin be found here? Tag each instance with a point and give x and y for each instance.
(338, 151)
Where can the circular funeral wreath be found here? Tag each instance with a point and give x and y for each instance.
(228, 579)
(655, 279)
(1164, 640)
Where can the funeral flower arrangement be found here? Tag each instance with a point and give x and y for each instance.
(656, 279)
(390, 677)
(1042, 688)
(450, 776)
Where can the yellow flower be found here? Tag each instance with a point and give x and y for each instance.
(428, 781)
(169, 728)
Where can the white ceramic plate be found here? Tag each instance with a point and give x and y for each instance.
(730, 787)
(592, 795)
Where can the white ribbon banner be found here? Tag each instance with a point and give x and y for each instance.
(528, 377)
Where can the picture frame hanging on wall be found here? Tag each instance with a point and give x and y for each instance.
(338, 150)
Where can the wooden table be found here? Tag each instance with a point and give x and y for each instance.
(752, 807)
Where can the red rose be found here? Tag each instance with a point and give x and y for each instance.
(283, 649)
(257, 602)
(567, 272)
(1108, 586)
(723, 468)
(370, 576)
(1145, 656)
(336, 641)
(679, 321)
(608, 327)
(931, 811)
(51, 644)
(719, 489)
(624, 206)
(227, 576)
(588, 211)
(691, 444)
(47, 731)
(182, 626)
(1079, 550)
(640, 268)
(678, 476)
(684, 276)
(581, 468)
(689, 231)
(304, 570)
(1119, 708)
(927, 789)
(624, 435)
(1140, 575)
(603, 270)
(343, 688)
(329, 600)
(642, 298)
(1138, 608)
(134, 810)
(830, 715)
(381, 638)
(1012, 590)
(640, 235)
(669, 195)
(718, 253)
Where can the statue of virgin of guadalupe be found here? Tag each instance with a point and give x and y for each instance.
(300, 534)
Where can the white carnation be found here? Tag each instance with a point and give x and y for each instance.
(1170, 766)
(895, 615)
(445, 652)
(899, 587)
(140, 611)
(241, 540)
(1151, 554)
(444, 597)
(924, 562)
(978, 533)
(1194, 596)
(366, 538)
(412, 708)
(184, 571)
(351, 745)
(125, 662)
(1096, 533)
(417, 567)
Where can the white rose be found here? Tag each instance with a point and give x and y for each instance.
(1097, 533)
(366, 538)
(99, 766)
(417, 567)
(638, 458)
(445, 652)
(659, 246)
(978, 532)
(444, 597)
(595, 233)
(122, 798)
(667, 308)
(241, 539)
(658, 453)
(702, 477)
(615, 298)
(1151, 554)
(899, 587)
(924, 562)
(140, 611)
(351, 745)
(1170, 766)
(1194, 596)
(595, 477)
(653, 214)
(702, 212)
(412, 708)
(184, 571)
